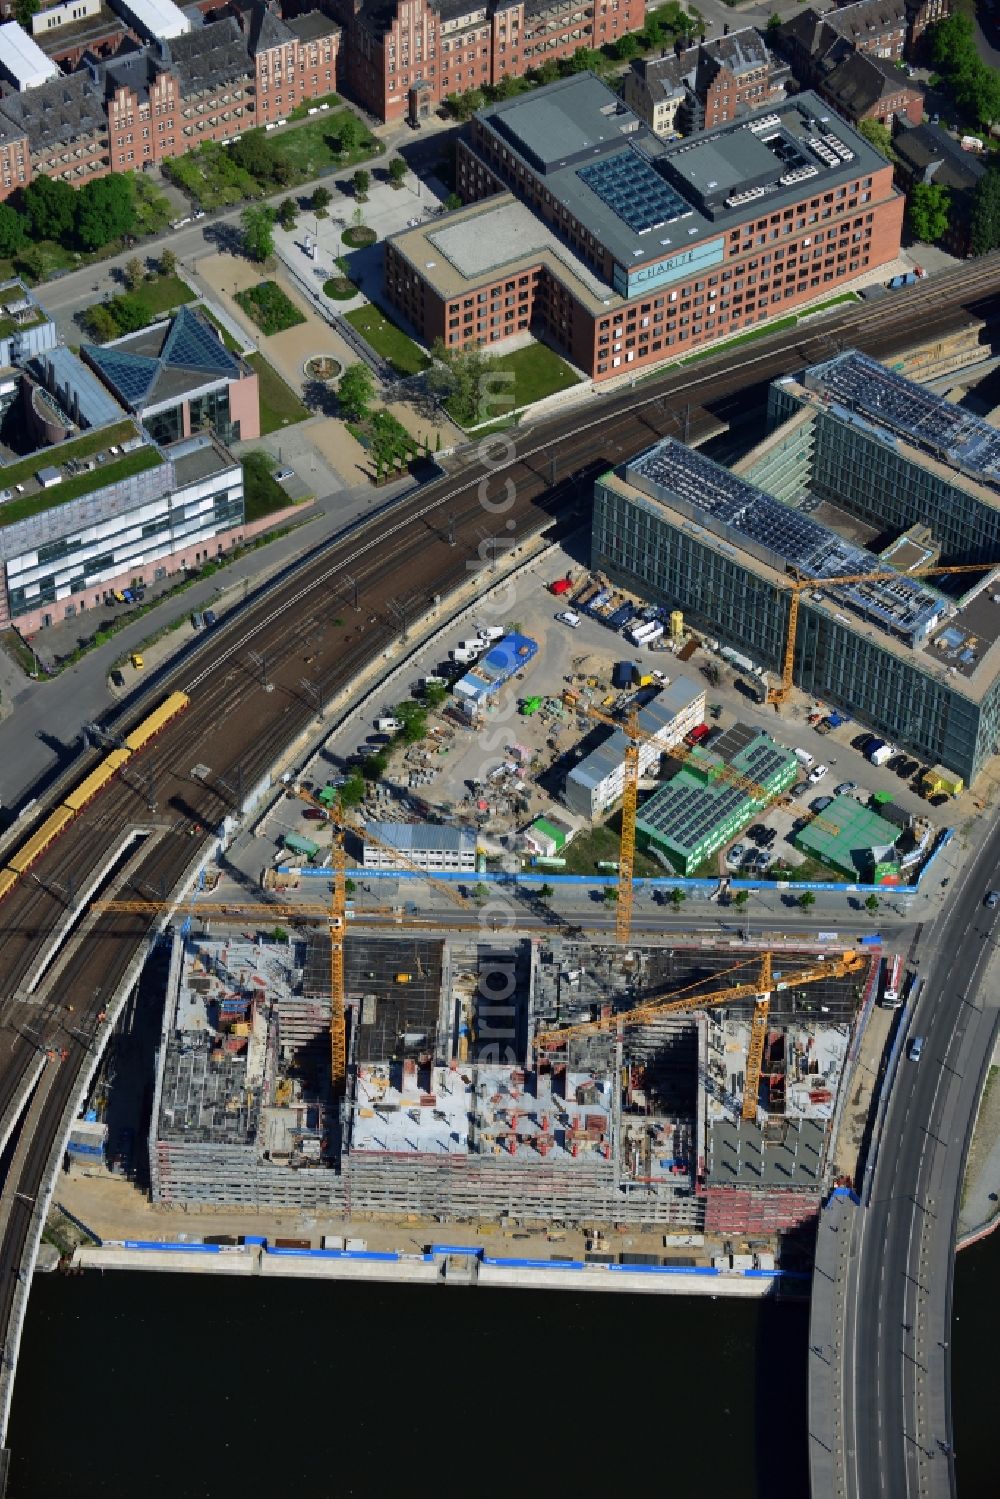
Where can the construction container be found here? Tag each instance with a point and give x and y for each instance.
(356, 1246)
(297, 845)
(623, 674)
(938, 781)
(403, 978)
(676, 624)
(530, 705)
(333, 1241)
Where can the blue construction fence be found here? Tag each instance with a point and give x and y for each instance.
(530, 877)
(439, 1251)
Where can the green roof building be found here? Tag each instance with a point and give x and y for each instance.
(700, 808)
(851, 838)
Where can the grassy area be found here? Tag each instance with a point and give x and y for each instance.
(538, 372)
(406, 357)
(340, 289)
(359, 236)
(269, 307)
(164, 293)
(309, 106)
(83, 447)
(211, 176)
(71, 489)
(228, 341)
(279, 405)
(778, 325)
(262, 494)
(316, 147)
(601, 845)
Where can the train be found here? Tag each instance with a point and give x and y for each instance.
(95, 781)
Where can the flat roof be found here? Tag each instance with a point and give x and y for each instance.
(846, 834)
(658, 714)
(742, 514)
(644, 199)
(741, 1154)
(692, 803)
(409, 837)
(160, 18)
(199, 457)
(23, 58)
(500, 236)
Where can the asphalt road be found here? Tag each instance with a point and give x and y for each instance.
(896, 1373)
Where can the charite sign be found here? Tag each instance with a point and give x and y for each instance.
(646, 278)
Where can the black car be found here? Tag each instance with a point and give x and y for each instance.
(770, 838)
(861, 741)
(757, 833)
(905, 769)
(895, 763)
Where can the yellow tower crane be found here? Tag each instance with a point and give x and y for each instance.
(630, 796)
(780, 694)
(759, 989)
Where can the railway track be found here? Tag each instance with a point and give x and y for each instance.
(245, 682)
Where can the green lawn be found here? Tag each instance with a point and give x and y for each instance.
(211, 177)
(313, 148)
(406, 357)
(537, 372)
(279, 405)
(164, 293)
(601, 844)
(262, 494)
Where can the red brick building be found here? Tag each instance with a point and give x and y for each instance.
(405, 56)
(629, 255)
(147, 103)
(866, 88)
(707, 84)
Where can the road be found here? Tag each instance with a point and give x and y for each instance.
(243, 713)
(893, 1367)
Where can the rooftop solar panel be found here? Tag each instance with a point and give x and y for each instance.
(633, 190)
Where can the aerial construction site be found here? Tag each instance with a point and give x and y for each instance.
(544, 1081)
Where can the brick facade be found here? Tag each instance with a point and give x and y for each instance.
(394, 46)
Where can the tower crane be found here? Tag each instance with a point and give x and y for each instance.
(630, 796)
(759, 989)
(780, 694)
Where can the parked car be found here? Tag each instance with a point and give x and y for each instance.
(817, 773)
(136, 660)
(210, 618)
(736, 853)
(197, 620)
(567, 617)
(313, 814)
(861, 741)
(758, 832)
(915, 1048)
(845, 788)
(906, 768)
(821, 803)
(802, 789)
(284, 473)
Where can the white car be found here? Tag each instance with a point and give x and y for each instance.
(489, 633)
(567, 617)
(817, 774)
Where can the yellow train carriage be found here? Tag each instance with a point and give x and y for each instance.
(144, 732)
(40, 840)
(8, 879)
(97, 780)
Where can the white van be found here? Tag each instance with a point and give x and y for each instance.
(463, 657)
(426, 682)
(489, 633)
(804, 758)
(388, 725)
(473, 647)
(567, 617)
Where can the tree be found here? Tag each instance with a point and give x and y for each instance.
(258, 232)
(435, 695)
(23, 12)
(287, 213)
(774, 22)
(413, 717)
(350, 886)
(362, 182)
(741, 898)
(953, 44)
(676, 897)
(353, 789)
(348, 132)
(928, 211)
(100, 323)
(610, 895)
(872, 904)
(879, 136)
(105, 210)
(807, 899)
(397, 171)
(456, 376)
(321, 198)
(50, 205)
(255, 153)
(355, 391)
(985, 221)
(134, 273)
(627, 46)
(167, 262)
(13, 230)
(546, 892)
(452, 201)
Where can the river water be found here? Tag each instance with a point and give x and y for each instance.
(135, 1384)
